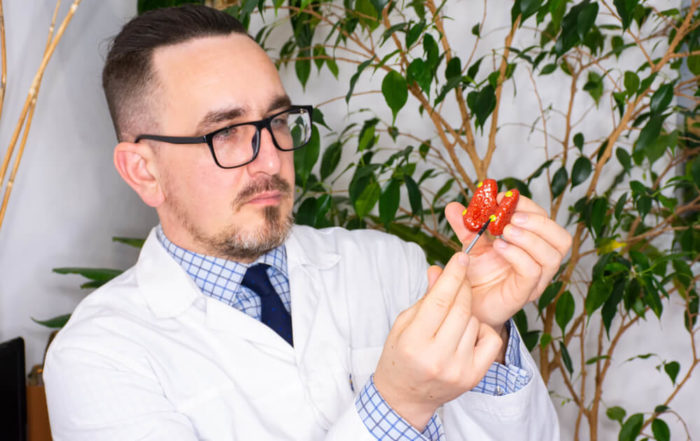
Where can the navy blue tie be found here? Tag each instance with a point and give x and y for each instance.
(273, 311)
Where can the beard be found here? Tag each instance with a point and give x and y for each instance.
(245, 244)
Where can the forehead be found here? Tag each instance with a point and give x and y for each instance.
(209, 73)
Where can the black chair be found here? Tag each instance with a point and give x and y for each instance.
(13, 396)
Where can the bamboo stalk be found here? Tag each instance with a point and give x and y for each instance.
(28, 109)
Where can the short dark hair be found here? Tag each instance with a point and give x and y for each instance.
(128, 77)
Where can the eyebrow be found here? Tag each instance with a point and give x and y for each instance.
(217, 116)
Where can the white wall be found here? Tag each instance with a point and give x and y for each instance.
(68, 200)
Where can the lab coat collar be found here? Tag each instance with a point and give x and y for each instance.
(166, 287)
(170, 291)
(302, 251)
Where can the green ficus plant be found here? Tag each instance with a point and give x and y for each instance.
(626, 186)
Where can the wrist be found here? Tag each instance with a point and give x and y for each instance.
(416, 413)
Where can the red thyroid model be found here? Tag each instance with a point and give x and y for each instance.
(504, 212)
(483, 207)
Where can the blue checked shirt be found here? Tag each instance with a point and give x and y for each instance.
(221, 279)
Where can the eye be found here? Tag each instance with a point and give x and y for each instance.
(226, 134)
(279, 121)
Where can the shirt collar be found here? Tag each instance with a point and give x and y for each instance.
(232, 270)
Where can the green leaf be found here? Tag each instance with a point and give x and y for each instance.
(389, 201)
(624, 158)
(303, 70)
(367, 138)
(306, 213)
(131, 241)
(599, 209)
(528, 8)
(419, 72)
(305, 159)
(367, 199)
(672, 370)
(618, 45)
(331, 159)
(548, 68)
(413, 33)
(55, 322)
(660, 430)
(596, 359)
(586, 18)
(476, 30)
(453, 69)
(355, 77)
(661, 99)
(566, 358)
(414, 195)
(548, 295)
(564, 310)
(97, 274)
(649, 133)
(616, 413)
(598, 293)
(559, 181)
(631, 82)
(395, 91)
(578, 141)
(631, 427)
(594, 86)
(625, 9)
(582, 169)
(694, 64)
(482, 103)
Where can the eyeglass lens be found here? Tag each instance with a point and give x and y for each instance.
(237, 145)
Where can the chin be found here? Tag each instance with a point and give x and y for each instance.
(249, 242)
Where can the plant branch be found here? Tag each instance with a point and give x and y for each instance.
(499, 89)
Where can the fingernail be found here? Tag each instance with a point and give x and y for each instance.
(519, 218)
(463, 259)
(500, 243)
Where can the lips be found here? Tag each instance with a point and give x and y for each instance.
(268, 191)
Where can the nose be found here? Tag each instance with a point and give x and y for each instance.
(268, 159)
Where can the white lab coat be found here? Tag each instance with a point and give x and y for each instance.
(149, 357)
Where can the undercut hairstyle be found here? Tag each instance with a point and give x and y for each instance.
(128, 78)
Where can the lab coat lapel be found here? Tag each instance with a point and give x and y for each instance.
(170, 292)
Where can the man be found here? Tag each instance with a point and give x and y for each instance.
(200, 341)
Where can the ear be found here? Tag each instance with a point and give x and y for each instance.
(136, 164)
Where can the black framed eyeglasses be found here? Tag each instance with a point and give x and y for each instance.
(238, 144)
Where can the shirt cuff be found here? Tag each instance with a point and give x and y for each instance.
(509, 378)
(385, 424)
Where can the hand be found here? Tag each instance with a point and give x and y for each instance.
(436, 349)
(505, 275)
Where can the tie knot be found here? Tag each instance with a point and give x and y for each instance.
(256, 278)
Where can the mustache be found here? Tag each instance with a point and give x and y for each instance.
(274, 183)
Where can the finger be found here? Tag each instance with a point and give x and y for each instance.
(546, 256)
(455, 324)
(465, 348)
(488, 347)
(526, 274)
(545, 228)
(453, 213)
(526, 204)
(433, 273)
(437, 301)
